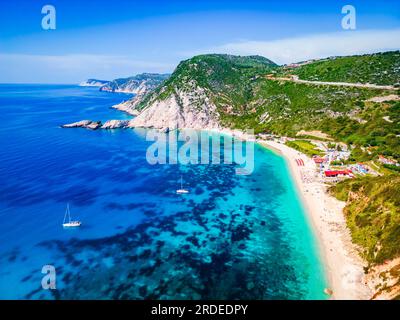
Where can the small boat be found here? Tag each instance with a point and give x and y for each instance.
(181, 190)
(70, 223)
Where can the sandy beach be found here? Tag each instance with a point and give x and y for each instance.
(343, 265)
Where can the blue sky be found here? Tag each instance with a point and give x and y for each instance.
(109, 39)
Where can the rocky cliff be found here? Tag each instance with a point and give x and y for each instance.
(139, 84)
(191, 97)
(93, 83)
(182, 109)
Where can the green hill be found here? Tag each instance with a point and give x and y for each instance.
(377, 126)
(287, 107)
(227, 78)
(378, 68)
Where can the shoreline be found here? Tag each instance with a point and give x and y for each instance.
(344, 268)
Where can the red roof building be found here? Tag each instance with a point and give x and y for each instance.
(335, 173)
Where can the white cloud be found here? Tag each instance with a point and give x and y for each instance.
(314, 46)
(72, 68)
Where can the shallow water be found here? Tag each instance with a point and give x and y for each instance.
(233, 236)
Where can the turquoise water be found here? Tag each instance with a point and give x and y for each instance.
(233, 236)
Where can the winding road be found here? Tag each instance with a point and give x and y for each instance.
(294, 78)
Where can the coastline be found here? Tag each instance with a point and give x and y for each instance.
(343, 266)
(124, 108)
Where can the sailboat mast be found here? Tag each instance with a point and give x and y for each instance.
(65, 214)
(69, 214)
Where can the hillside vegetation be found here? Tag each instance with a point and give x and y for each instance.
(376, 127)
(378, 68)
(286, 107)
(226, 78)
(373, 214)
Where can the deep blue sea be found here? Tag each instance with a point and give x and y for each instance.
(232, 237)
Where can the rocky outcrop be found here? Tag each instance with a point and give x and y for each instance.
(115, 124)
(93, 83)
(130, 105)
(93, 125)
(88, 124)
(390, 97)
(139, 84)
(384, 279)
(181, 109)
(129, 87)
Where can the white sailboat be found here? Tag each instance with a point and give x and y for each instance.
(182, 190)
(70, 223)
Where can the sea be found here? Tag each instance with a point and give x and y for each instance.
(233, 236)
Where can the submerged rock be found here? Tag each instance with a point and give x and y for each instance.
(88, 124)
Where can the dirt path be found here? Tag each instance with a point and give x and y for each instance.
(296, 79)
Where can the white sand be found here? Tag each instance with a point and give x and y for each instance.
(343, 265)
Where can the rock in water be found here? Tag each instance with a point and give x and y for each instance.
(88, 124)
(115, 124)
(328, 291)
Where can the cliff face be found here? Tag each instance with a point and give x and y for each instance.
(129, 106)
(182, 109)
(139, 84)
(385, 280)
(93, 83)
